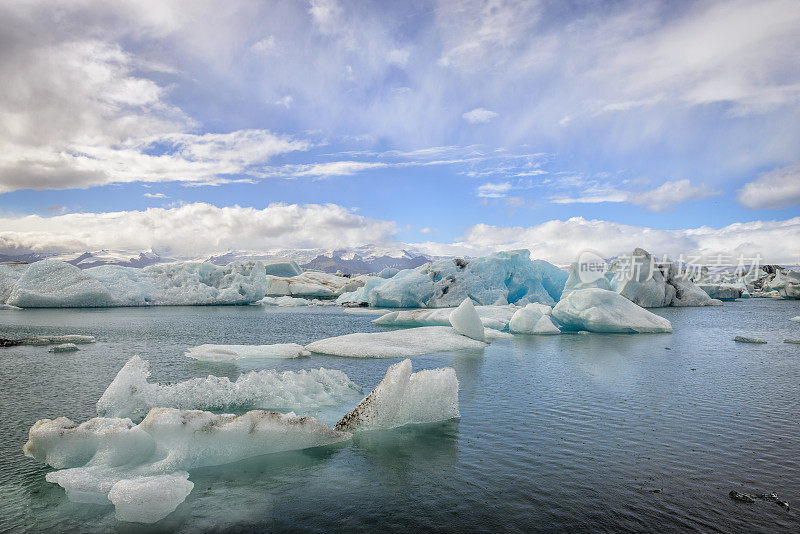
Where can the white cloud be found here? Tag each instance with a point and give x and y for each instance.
(335, 168)
(668, 194)
(494, 190)
(479, 115)
(561, 241)
(285, 101)
(175, 230)
(266, 46)
(426, 230)
(155, 195)
(776, 189)
(515, 202)
(398, 56)
(663, 198)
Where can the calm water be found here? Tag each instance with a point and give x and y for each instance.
(601, 432)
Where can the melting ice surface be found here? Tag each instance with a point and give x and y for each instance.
(231, 353)
(395, 344)
(131, 395)
(601, 310)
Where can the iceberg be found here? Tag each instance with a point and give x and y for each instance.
(9, 274)
(131, 395)
(494, 317)
(396, 343)
(466, 322)
(311, 284)
(141, 469)
(528, 320)
(55, 284)
(284, 269)
(403, 397)
(600, 310)
(388, 272)
(288, 302)
(796, 319)
(499, 279)
(230, 353)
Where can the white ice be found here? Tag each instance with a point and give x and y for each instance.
(131, 395)
(311, 284)
(229, 353)
(55, 284)
(149, 499)
(795, 319)
(96, 456)
(745, 339)
(600, 310)
(495, 317)
(533, 319)
(466, 322)
(403, 397)
(287, 302)
(396, 344)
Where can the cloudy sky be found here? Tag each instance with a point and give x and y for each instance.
(453, 126)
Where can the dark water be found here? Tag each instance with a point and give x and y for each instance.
(571, 432)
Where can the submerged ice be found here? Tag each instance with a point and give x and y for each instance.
(141, 469)
(131, 395)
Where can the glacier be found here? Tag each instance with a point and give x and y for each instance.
(396, 343)
(499, 279)
(403, 397)
(131, 395)
(601, 310)
(232, 353)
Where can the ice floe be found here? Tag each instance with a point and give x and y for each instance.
(105, 459)
(55, 284)
(131, 395)
(311, 284)
(601, 310)
(229, 353)
(396, 343)
(795, 319)
(403, 397)
(501, 278)
(286, 302)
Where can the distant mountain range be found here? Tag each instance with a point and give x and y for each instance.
(359, 260)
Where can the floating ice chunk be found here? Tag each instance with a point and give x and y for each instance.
(47, 340)
(466, 322)
(496, 317)
(9, 274)
(55, 284)
(149, 499)
(502, 278)
(312, 284)
(722, 291)
(106, 458)
(229, 353)
(792, 341)
(364, 311)
(64, 347)
(545, 326)
(490, 334)
(600, 310)
(743, 339)
(574, 282)
(525, 319)
(403, 398)
(131, 395)
(795, 319)
(282, 268)
(288, 301)
(9, 307)
(396, 344)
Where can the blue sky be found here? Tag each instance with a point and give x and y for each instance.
(423, 123)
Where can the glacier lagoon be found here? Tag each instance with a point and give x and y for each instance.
(622, 431)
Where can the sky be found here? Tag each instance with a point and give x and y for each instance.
(446, 127)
